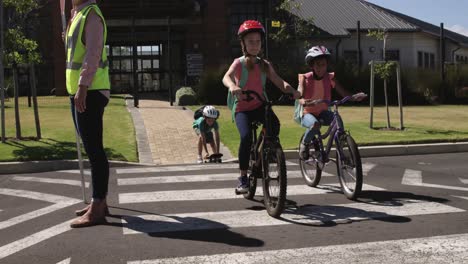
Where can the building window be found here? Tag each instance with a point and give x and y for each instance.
(426, 60)
(432, 61)
(420, 59)
(392, 55)
(147, 67)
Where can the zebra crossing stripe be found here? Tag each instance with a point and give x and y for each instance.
(309, 215)
(223, 193)
(65, 261)
(414, 178)
(414, 250)
(194, 178)
(202, 167)
(199, 167)
(58, 202)
(464, 181)
(49, 180)
(85, 172)
(33, 239)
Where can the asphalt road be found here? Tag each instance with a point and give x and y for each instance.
(413, 209)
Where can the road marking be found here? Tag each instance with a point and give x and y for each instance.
(224, 193)
(85, 172)
(461, 197)
(367, 167)
(50, 180)
(194, 178)
(177, 168)
(414, 178)
(33, 239)
(309, 215)
(436, 249)
(198, 167)
(58, 202)
(464, 181)
(65, 261)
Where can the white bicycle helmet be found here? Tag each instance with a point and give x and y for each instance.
(316, 52)
(210, 112)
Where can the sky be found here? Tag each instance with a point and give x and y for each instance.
(453, 13)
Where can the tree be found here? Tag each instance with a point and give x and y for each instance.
(383, 70)
(20, 49)
(292, 27)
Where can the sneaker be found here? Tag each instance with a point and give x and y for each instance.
(304, 151)
(243, 186)
(199, 160)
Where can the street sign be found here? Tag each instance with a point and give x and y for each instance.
(194, 64)
(275, 23)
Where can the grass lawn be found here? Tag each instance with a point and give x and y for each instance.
(446, 123)
(58, 137)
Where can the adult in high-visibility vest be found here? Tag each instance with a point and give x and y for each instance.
(87, 79)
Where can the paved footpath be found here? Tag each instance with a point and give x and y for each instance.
(167, 130)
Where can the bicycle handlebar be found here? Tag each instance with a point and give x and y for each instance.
(248, 93)
(337, 102)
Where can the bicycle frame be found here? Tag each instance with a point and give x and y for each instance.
(266, 128)
(335, 129)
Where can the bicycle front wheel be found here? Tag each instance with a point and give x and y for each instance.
(274, 180)
(310, 170)
(349, 167)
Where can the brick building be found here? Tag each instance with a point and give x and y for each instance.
(162, 44)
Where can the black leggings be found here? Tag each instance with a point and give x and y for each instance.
(243, 121)
(90, 128)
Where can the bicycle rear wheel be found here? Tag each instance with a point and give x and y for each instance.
(310, 170)
(349, 167)
(274, 179)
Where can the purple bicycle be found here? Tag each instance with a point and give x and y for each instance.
(348, 159)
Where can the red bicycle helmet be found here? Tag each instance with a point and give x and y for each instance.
(250, 26)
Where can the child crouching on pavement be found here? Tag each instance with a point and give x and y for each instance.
(204, 126)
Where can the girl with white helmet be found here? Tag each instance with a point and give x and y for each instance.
(250, 72)
(314, 85)
(204, 126)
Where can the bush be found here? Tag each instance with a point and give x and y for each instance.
(186, 96)
(210, 89)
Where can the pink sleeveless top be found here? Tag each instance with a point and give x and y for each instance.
(254, 83)
(317, 89)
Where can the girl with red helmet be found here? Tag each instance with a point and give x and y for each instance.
(250, 72)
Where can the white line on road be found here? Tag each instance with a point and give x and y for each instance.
(177, 168)
(65, 261)
(310, 215)
(464, 181)
(33, 239)
(198, 167)
(461, 197)
(436, 249)
(224, 193)
(50, 180)
(85, 172)
(58, 201)
(194, 178)
(414, 178)
(367, 167)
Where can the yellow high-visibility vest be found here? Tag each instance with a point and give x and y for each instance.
(76, 51)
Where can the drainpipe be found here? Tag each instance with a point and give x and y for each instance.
(442, 62)
(336, 49)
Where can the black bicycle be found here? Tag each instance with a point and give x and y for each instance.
(267, 162)
(348, 159)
